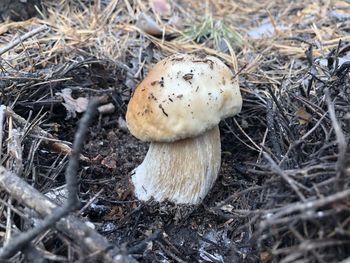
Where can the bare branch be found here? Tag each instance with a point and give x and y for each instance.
(27, 35)
(309, 205)
(342, 144)
(55, 145)
(19, 242)
(284, 175)
(90, 241)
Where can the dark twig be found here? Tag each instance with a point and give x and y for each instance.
(169, 253)
(33, 255)
(278, 104)
(88, 239)
(18, 243)
(272, 129)
(36, 131)
(284, 175)
(341, 141)
(73, 165)
(142, 245)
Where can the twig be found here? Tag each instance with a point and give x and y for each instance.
(284, 175)
(272, 129)
(18, 243)
(303, 241)
(246, 135)
(169, 253)
(90, 201)
(87, 238)
(36, 131)
(8, 232)
(278, 104)
(313, 128)
(73, 165)
(2, 114)
(19, 40)
(342, 144)
(33, 255)
(142, 245)
(235, 195)
(301, 207)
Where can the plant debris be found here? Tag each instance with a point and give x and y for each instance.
(283, 190)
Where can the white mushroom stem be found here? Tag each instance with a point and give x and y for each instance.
(182, 171)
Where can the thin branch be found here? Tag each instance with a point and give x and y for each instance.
(73, 165)
(18, 243)
(341, 141)
(302, 207)
(19, 40)
(80, 233)
(284, 175)
(36, 131)
(140, 247)
(272, 130)
(2, 115)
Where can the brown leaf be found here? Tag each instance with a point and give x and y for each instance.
(303, 116)
(115, 214)
(148, 25)
(72, 105)
(265, 256)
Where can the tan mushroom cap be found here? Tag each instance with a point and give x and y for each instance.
(182, 97)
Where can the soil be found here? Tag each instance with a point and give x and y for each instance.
(17, 10)
(188, 229)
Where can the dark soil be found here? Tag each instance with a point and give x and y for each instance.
(185, 229)
(18, 10)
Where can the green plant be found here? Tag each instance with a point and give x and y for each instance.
(213, 30)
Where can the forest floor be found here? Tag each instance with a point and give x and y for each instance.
(283, 190)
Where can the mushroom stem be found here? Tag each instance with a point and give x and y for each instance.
(182, 171)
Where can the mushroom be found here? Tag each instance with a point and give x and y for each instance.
(177, 108)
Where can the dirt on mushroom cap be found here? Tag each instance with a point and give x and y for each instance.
(183, 96)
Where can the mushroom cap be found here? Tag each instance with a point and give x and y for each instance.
(181, 97)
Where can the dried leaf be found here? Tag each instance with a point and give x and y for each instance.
(161, 7)
(115, 214)
(265, 256)
(303, 116)
(148, 25)
(72, 105)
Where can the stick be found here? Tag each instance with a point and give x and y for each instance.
(272, 129)
(341, 141)
(56, 146)
(2, 114)
(87, 238)
(18, 243)
(308, 205)
(17, 41)
(284, 175)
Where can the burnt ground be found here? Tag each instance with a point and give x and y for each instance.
(187, 228)
(282, 193)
